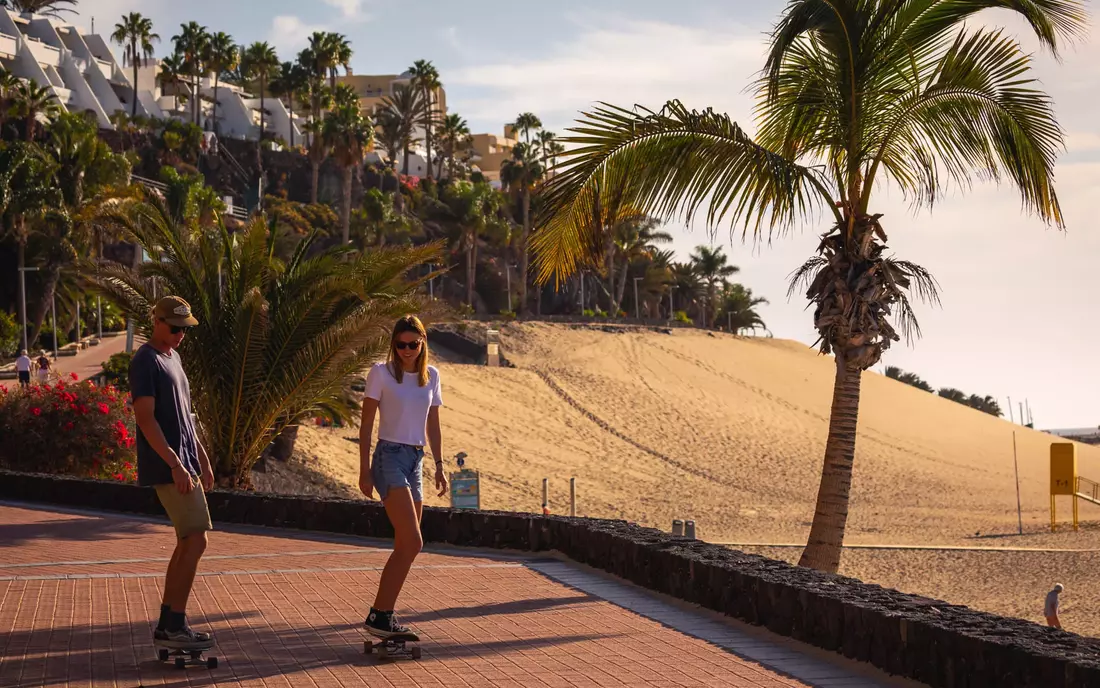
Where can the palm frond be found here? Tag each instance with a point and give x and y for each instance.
(672, 163)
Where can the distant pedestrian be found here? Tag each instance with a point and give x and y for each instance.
(1050, 609)
(42, 365)
(23, 369)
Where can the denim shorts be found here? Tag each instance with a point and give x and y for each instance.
(397, 465)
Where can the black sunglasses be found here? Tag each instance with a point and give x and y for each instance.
(401, 346)
(174, 329)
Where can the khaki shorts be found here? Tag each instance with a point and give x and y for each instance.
(188, 512)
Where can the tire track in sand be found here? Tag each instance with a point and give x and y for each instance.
(607, 427)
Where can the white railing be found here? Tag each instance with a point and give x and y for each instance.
(9, 45)
(46, 54)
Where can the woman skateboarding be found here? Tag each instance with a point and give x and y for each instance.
(405, 393)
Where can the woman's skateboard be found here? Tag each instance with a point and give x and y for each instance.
(394, 647)
(182, 657)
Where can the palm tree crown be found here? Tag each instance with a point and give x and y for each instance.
(853, 92)
(135, 34)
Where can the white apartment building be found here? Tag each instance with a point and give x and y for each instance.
(83, 74)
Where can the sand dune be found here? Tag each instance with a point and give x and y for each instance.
(730, 432)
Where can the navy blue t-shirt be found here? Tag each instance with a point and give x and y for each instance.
(161, 376)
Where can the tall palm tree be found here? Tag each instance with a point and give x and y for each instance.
(636, 239)
(29, 100)
(738, 308)
(712, 265)
(391, 137)
(454, 136)
(405, 106)
(8, 84)
(173, 72)
(318, 151)
(521, 173)
(291, 333)
(348, 135)
(259, 62)
(222, 55)
(526, 123)
(853, 92)
(28, 191)
(477, 208)
(290, 82)
(341, 52)
(135, 32)
(47, 8)
(425, 78)
(191, 43)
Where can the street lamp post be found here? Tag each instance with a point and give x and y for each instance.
(671, 312)
(99, 316)
(53, 319)
(23, 295)
(637, 304)
(508, 282)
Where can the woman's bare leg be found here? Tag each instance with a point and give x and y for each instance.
(404, 514)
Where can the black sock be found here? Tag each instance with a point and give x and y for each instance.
(164, 611)
(175, 621)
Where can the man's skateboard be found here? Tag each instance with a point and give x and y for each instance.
(394, 647)
(182, 657)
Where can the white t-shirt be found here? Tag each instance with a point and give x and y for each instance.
(23, 364)
(403, 408)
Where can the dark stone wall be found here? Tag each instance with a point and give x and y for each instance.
(463, 346)
(930, 641)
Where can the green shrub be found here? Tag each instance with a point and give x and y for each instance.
(116, 371)
(78, 429)
(682, 316)
(9, 334)
(589, 313)
(508, 315)
(45, 339)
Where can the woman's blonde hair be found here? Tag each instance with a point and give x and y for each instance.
(410, 323)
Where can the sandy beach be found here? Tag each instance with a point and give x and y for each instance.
(730, 432)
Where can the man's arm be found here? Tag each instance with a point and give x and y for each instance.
(150, 428)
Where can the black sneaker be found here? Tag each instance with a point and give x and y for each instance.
(185, 639)
(384, 625)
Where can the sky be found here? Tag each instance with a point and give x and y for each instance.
(1020, 311)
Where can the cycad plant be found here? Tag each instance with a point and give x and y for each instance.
(854, 94)
(278, 340)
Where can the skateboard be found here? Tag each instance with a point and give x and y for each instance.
(393, 647)
(184, 657)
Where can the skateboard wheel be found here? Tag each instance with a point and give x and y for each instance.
(416, 653)
(212, 663)
(181, 662)
(162, 654)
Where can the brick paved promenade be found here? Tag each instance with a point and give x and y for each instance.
(79, 593)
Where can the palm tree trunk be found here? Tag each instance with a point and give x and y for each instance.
(21, 262)
(610, 248)
(471, 267)
(43, 304)
(831, 514)
(439, 168)
(523, 256)
(133, 57)
(405, 168)
(261, 111)
(214, 114)
(622, 285)
(316, 176)
(345, 205)
(291, 120)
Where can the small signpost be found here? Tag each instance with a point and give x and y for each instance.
(465, 486)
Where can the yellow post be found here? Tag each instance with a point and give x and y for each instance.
(1063, 477)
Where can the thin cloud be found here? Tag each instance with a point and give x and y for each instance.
(620, 61)
(290, 34)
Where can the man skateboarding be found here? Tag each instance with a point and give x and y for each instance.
(171, 459)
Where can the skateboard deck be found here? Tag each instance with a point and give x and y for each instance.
(182, 658)
(393, 647)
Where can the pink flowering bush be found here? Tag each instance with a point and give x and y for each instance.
(74, 428)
